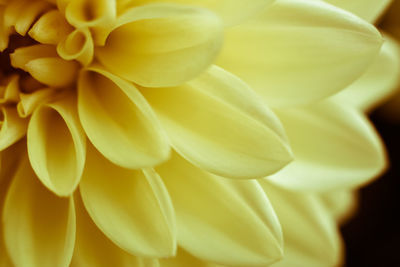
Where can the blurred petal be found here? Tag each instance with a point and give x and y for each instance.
(216, 122)
(341, 204)
(231, 11)
(57, 145)
(118, 120)
(12, 127)
(370, 10)
(172, 44)
(131, 207)
(93, 248)
(294, 53)
(334, 147)
(39, 227)
(379, 82)
(310, 234)
(235, 213)
(184, 259)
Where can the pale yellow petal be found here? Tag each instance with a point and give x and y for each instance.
(93, 248)
(222, 220)
(334, 147)
(57, 145)
(39, 227)
(131, 207)
(53, 71)
(300, 51)
(12, 127)
(171, 44)
(50, 28)
(184, 259)
(118, 120)
(379, 82)
(78, 45)
(310, 234)
(219, 124)
(341, 204)
(370, 10)
(231, 11)
(98, 15)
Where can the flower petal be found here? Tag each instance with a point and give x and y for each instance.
(231, 11)
(217, 123)
(131, 207)
(341, 204)
(334, 147)
(172, 44)
(310, 234)
(57, 145)
(39, 227)
(118, 120)
(184, 259)
(77, 45)
(93, 248)
(370, 10)
(379, 82)
(12, 127)
(221, 220)
(295, 52)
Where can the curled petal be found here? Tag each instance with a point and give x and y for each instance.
(93, 248)
(294, 53)
(57, 145)
(77, 45)
(334, 146)
(10, 92)
(44, 30)
(29, 102)
(24, 55)
(39, 227)
(131, 207)
(118, 120)
(235, 213)
(172, 44)
(216, 122)
(12, 127)
(310, 234)
(370, 10)
(379, 82)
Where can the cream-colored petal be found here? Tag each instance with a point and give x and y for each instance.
(50, 28)
(334, 146)
(98, 15)
(341, 204)
(300, 51)
(231, 11)
(131, 207)
(12, 127)
(119, 122)
(310, 234)
(77, 45)
(57, 145)
(162, 44)
(218, 123)
(370, 10)
(222, 220)
(379, 82)
(53, 71)
(93, 248)
(39, 227)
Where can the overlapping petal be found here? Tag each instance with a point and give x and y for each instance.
(300, 51)
(310, 234)
(172, 44)
(39, 227)
(334, 146)
(235, 213)
(379, 82)
(93, 248)
(131, 207)
(12, 127)
(217, 123)
(57, 145)
(118, 120)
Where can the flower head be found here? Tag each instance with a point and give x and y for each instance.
(137, 133)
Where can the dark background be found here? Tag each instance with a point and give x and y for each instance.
(372, 237)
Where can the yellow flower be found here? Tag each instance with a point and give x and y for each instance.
(156, 133)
